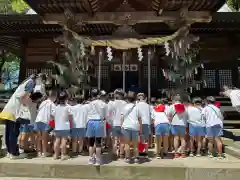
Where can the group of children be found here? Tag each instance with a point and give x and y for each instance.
(122, 120)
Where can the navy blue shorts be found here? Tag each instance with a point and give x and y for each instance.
(27, 128)
(40, 126)
(178, 130)
(162, 129)
(129, 134)
(117, 131)
(95, 128)
(78, 132)
(146, 131)
(62, 133)
(196, 130)
(214, 131)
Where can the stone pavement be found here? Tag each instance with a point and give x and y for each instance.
(167, 169)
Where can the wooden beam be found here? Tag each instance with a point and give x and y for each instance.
(131, 18)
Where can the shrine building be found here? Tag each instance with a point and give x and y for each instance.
(35, 37)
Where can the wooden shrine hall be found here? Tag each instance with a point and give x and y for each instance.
(34, 38)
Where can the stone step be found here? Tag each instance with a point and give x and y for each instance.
(168, 169)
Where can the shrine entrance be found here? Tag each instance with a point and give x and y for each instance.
(131, 78)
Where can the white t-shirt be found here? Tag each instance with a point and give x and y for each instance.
(44, 111)
(61, 117)
(144, 110)
(28, 112)
(97, 109)
(110, 111)
(159, 117)
(117, 110)
(130, 117)
(235, 97)
(195, 116)
(79, 114)
(212, 116)
(179, 119)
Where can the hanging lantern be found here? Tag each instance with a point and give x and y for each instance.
(109, 53)
(140, 54)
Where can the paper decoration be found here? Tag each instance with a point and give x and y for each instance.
(140, 54)
(82, 50)
(196, 71)
(92, 50)
(109, 53)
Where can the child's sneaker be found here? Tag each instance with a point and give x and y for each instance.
(13, 157)
(98, 162)
(65, 157)
(127, 160)
(158, 156)
(191, 155)
(39, 154)
(221, 156)
(136, 160)
(91, 160)
(198, 155)
(210, 155)
(47, 154)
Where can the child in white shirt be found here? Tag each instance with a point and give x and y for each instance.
(79, 124)
(214, 125)
(117, 108)
(144, 110)
(42, 123)
(178, 118)
(62, 119)
(197, 129)
(132, 126)
(97, 110)
(162, 128)
(234, 95)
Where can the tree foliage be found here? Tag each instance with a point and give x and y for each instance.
(9, 69)
(234, 4)
(182, 61)
(13, 6)
(72, 72)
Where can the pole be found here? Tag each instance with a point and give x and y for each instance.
(149, 74)
(99, 69)
(123, 70)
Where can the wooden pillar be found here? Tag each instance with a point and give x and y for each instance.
(23, 61)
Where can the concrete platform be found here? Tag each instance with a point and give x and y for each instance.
(166, 169)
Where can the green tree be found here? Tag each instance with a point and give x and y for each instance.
(182, 60)
(13, 6)
(9, 65)
(72, 73)
(234, 4)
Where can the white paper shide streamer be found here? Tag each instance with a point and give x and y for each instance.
(109, 53)
(140, 54)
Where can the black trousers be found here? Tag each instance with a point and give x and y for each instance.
(11, 137)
